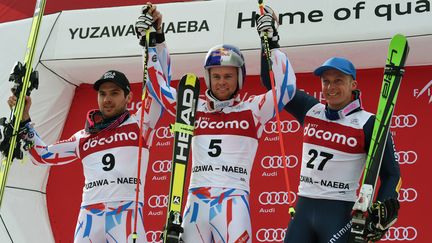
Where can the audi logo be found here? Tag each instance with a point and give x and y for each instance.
(274, 162)
(164, 132)
(407, 195)
(153, 236)
(270, 235)
(400, 234)
(401, 121)
(273, 198)
(286, 126)
(161, 166)
(158, 201)
(406, 157)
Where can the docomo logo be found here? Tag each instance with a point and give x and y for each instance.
(161, 166)
(402, 121)
(91, 143)
(286, 126)
(203, 124)
(270, 235)
(154, 236)
(164, 132)
(158, 201)
(407, 195)
(329, 136)
(400, 234)
(274, 198)
(274, 162)
(406, 157)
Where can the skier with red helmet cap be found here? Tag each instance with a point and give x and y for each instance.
(225, 141)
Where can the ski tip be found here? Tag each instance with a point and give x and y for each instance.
(399, 39)
(398, 35)
(189, 75)
(398, 50)
(190, 79)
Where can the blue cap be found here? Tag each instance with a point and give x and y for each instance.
(338, 63)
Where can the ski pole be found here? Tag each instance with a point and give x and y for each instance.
(140, 141)
(291, 209)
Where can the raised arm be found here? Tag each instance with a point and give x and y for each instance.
(159, 62)
(276, 67)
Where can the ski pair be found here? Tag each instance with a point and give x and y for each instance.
(183, 128)
(25, 80)
(394, 69)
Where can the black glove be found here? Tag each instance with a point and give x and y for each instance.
(26, 133)
(144, 23)
(382, 215)
(7, 131)
(267, 25)
(17, 75)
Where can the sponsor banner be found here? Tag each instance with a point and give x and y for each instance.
(270, 234)
(92, 33)
(161, 166)
(291, 126)
(303, 23)
(276, 161)
(109, 32)
(268, 196)
(274, 198)
(407, 195)
(157, 201)
(238, 123)
(425, 91)
(164, 133)
(154, 236)
(406, 157)
(402, 233)
(403, 121)
(337, 136)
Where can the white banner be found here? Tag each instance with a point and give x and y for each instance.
(196, 26)
(311, 22)
(310, 31)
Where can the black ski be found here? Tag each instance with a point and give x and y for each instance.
(187, 98)
(397, 54)
(25, 80)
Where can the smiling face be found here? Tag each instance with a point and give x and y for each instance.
(337, 88)
(112, 100)
(223, 81)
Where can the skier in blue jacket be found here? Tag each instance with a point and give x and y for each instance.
(337, 136)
